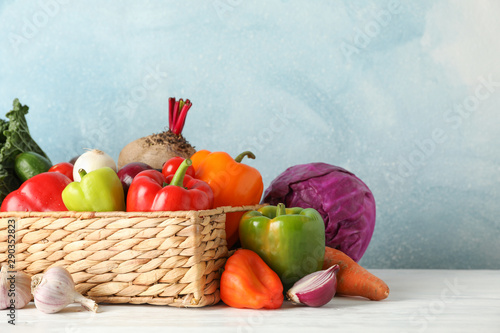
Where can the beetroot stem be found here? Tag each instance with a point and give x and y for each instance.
(181, 104)
(179, 126)
(175, 113)
(171, 102)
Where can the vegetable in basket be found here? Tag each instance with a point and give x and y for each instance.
(92, 160)
(152, 191)
(129, 171)
(156, 149)
(343, 200)
(65, 168)
(233, 184)
(98, 191)
(29, 164)
(40, 193)
(15, 138)
(171, 166)
(290, 240)
(247, 282)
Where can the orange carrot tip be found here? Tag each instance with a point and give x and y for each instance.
(353, 279)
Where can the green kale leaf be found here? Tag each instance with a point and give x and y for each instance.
(15, 138)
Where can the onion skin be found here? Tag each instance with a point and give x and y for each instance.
(315, 289)
(129, 171)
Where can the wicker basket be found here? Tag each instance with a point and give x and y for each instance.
(163, 258)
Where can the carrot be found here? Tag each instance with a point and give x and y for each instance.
(354, 280)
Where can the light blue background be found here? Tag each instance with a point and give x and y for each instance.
(397, 93)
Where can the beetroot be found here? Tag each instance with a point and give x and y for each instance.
(156, 149)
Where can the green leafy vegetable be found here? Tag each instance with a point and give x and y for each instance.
(15, 138)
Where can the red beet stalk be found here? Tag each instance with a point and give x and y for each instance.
(177, 111)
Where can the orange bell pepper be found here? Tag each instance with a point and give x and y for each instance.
(233, 184)
(247, 282)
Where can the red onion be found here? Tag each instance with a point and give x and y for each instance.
(315, 289)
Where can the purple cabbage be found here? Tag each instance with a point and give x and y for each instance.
(343, 200)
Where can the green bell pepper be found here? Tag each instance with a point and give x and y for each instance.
(290, 240)
(99, 191)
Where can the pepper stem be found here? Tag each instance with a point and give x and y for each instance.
(247, 153)
(178, 179)
(280, 209)
(82, 173)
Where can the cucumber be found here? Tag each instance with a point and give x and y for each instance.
(29, 164)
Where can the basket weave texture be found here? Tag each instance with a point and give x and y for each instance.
(163, 258)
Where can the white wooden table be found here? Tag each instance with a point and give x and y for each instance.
(420, 301)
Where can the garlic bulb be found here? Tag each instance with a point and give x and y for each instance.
(315, 289)
(55, 290)
(14, 289)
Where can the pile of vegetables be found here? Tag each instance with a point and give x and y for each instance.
(290, 243)
(303, 243)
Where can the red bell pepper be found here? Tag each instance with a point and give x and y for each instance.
(65, 168)
(152, 191)
(40, 193)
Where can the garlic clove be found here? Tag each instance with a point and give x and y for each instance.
(14, 289)
(315, 289)
(55, 290)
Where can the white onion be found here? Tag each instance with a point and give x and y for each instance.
(92, 160)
